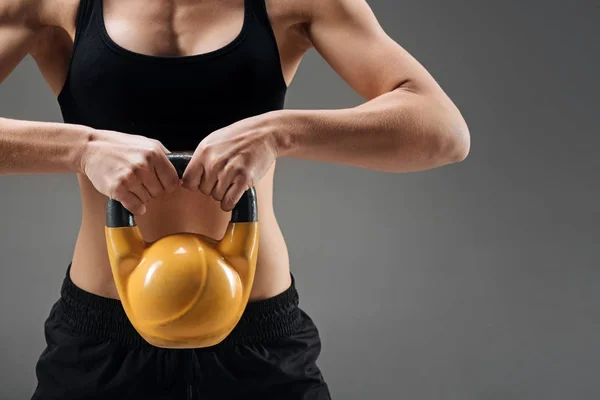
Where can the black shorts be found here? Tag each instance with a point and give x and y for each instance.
(93, 352)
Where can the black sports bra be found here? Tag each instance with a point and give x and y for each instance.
(177, 100)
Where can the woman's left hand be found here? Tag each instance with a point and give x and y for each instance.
(231, 160)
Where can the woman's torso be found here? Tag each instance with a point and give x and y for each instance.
(182, 29)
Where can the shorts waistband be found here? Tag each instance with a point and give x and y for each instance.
(262, 321)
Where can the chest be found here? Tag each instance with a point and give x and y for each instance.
(151, 75)
(173, 27)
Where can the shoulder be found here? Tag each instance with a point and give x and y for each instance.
(309, 10)
(38, 14)
(43, 25)
(19, 12)
(306, 13)
(287, 10)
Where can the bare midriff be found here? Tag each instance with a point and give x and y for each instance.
(181, 211)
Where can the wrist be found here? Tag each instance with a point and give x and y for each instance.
(282, 127)
(81, 149)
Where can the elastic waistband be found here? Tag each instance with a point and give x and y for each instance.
(262, 321)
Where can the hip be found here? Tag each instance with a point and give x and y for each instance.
(93, 352)
(91, 269)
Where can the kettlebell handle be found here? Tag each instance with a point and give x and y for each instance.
(245, 210)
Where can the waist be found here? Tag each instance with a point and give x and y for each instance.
(89, 314)
(181, 212)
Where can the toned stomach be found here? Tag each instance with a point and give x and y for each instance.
(181, 211)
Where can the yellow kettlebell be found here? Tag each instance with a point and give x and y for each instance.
(184, 290)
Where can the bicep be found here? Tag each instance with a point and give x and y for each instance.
(348, 36)
(17, 35)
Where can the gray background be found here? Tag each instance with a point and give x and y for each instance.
(473, 281)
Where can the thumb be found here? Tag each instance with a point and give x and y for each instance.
(192, 174)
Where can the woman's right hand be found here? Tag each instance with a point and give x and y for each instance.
(131, 169)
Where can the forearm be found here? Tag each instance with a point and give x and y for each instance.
(28, 147)
(400, 131)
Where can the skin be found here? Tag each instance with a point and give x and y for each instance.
(406, 123)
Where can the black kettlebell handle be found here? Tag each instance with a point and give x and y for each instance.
(246, 210)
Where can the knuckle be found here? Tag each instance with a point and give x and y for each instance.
(228, 202)
(139, 166)
(220, 163)
(219, 192)
(158, 152)
(185, 183)
(131, 177)
(237, 171)
(209, 166)
(244, 174)
(113, 192)
(209, 158)
(172, 181)
(156, 191)
(245, 178)
(209, 175)
(130, 205)
(149, 156)
(136, 210)
(232, 168)
(204, 151)
(206, 188)
(122, 181)
(200, 154)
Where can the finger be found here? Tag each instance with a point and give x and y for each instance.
(192, 175)
(163, 148)
(141, 192)
(152, 183)
(224, 181)
(132, 203)
(208, 182)
(166, 174)
(233, 194)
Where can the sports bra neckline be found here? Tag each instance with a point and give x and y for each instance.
(106, 38)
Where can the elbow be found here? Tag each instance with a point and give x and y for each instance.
(450, 146)
(458, 144)
(433, 133)
(440, 135)
(435, 148)
(450, 141)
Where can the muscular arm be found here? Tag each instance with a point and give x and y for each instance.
(407, 124)
(28, 147)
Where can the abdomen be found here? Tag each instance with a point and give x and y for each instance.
(182, 211)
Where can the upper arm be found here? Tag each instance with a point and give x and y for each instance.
(19, 23)
(348, 36)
